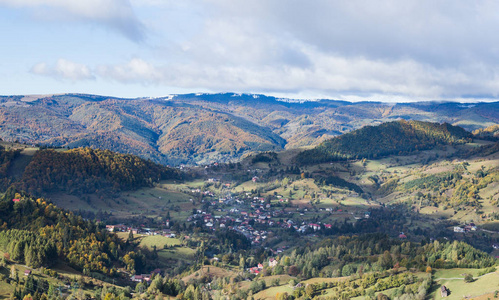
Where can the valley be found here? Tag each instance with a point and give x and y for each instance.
(397, 225)
(249, 150)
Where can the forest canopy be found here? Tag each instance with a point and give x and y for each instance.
(86, 170)
(398, 137)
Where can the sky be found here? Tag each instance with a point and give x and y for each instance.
(384, 50)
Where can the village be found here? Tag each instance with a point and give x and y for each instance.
(255, 217)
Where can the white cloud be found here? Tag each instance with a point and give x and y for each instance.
(332, 76)
(63, 70)
(358, 49)
(135, 71)
(117, 15)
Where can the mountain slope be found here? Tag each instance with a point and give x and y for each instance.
(388, 138)
(205, 128)
(85, 170)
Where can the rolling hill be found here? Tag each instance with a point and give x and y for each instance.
(395, 137)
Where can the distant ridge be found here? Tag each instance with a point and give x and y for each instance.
(205, 128)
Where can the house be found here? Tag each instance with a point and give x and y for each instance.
(137, 278)
(458, 229)
(16, 200)
(443, 291)
(299, 285)
(112, 228)
(402, 236)
(272, 262)
(27, 272)
(260, 266)
(315, 226)
(156, 271)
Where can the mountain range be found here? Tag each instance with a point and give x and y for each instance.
(205, 128)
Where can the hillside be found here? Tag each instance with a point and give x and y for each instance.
(44, 234)
(395, 137)
(491, 132)
(264, 227)
(204, 128)
(85, 170)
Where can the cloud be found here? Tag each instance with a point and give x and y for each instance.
(415, 49)
(64, 70)
(135, 71)
(117, 15)
(437, 32)
(331, 76)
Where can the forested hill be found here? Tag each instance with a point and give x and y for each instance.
(86, 170)
(397, 137)
(490, 133)
(37, 233)
(6, 158)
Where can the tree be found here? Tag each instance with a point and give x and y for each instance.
(293, 270)
(13, 272)
(242, 262)
(468, 278)
(278, 270)
(382, 296)
(347, 270)
(310, 290)
(283, 296)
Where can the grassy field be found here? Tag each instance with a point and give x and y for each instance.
(272, 293)
(283, 280)
(210, 271)
(460, 289)
(320, 280)
(182, 253)
(6, 290)
(454, 273)
(494, 226)
(159, 241)
(152, 202)
(172, 185)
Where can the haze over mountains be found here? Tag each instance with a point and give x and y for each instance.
(204, 128)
